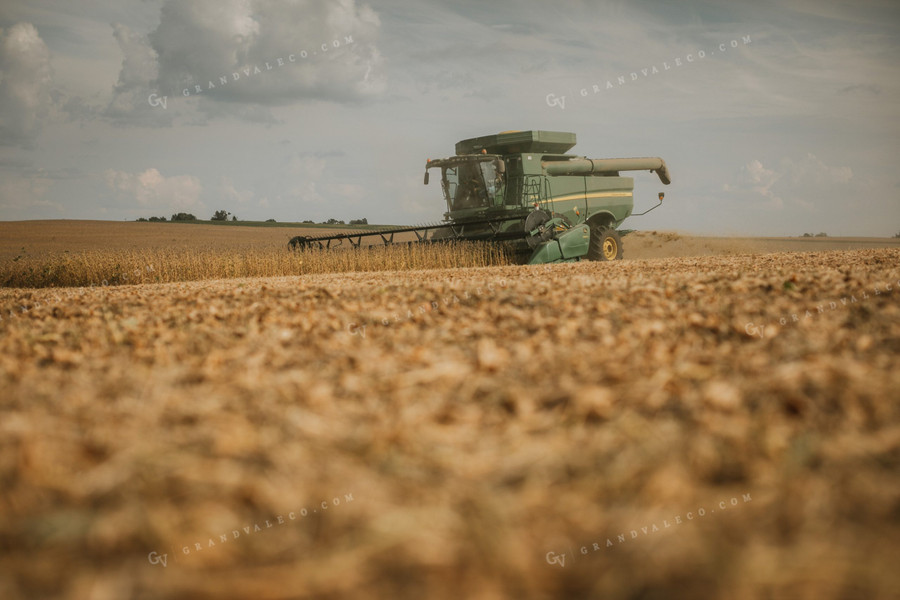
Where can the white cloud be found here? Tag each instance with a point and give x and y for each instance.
(200, 41)
(139, 71)
(25, 84)
(806, 182)
(245, 56)
(758, 181)
(151, 189)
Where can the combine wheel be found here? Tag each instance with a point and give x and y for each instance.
(606, 244)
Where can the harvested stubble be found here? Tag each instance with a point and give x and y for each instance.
(101, 268)
(534, 410)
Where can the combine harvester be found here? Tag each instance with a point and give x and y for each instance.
(520, 187)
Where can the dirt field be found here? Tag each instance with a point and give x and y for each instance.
(688, 427)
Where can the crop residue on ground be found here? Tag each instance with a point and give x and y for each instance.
(562, 406)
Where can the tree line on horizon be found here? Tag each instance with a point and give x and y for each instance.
(222, 215)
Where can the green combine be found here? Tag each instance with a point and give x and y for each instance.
(521, 188)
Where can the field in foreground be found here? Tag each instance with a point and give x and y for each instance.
(548, 431)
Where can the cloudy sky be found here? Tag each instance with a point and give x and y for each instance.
(775, 118)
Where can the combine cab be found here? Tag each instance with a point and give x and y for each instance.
(521, 187)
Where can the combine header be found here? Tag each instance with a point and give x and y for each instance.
(521, 187)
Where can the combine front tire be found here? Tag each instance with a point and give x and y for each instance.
(606, 244)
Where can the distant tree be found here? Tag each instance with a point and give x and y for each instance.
(234, 217)
(271, 221)
(807, 235)
(157, 219)
(333, 222)
(220, 215)
(822, 234)
(183, 217)
(359, 221)
(142, 219)
(897, 236)
(308, 221)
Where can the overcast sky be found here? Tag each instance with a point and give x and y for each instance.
(310, 109)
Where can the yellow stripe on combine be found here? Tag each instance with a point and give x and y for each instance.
(593, 195)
